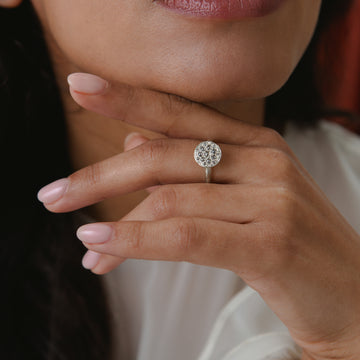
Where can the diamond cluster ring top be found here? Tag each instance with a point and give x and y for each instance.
(207, 154)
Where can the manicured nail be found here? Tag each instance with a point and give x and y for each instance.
(133, 140)
(53, 192)
(94, 233)
(87, 84)
(90, 259)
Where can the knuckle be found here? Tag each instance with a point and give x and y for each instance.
(276, 155)
(184, 238)
(175, 105)
(129, 100)
(130, 95)
(280, 162)
(163, 202)
(91, 175)
(152, 152)
(271, 136)
(132, 238)
(285, 201)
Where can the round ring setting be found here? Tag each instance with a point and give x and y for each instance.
(207, 154)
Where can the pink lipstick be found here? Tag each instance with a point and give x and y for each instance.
(223, 9)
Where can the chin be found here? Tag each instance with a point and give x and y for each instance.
(208, 85)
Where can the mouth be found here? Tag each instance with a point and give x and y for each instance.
(222, 9)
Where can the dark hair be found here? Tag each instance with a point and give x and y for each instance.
(50, 307)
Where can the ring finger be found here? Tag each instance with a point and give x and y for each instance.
(158, 162)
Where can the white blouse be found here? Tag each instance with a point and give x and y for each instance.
(182, 311)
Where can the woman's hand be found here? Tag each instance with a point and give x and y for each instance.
(263, 217)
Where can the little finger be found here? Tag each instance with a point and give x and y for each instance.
(201, 241)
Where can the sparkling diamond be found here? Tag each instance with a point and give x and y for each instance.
(207, 154)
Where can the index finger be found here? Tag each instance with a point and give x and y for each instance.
(168, 114)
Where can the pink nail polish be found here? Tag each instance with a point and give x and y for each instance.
(53, 192)
(94, 233)
(87, 84)
(90, 259)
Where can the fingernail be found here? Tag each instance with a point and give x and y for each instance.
(133, 140)
(90, 259)
(87, 84)
(94, 233)
(53, 192)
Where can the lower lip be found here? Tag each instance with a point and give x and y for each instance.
(223, 9)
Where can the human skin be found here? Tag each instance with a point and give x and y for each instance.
(262, 204)
(143, 47)
(139, 43)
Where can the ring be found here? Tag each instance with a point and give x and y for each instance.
(207, 154)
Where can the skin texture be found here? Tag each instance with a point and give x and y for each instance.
(142, 44)
(273, 210)
(148, 47)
